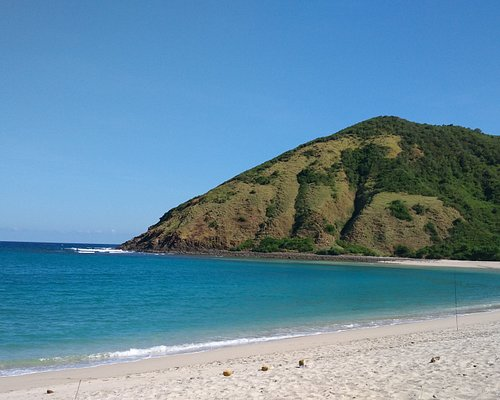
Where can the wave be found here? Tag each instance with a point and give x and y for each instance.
(98, 250)
(133, 354)
(157, 351)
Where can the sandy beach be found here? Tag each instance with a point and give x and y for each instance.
(425, 263)
(376, 363)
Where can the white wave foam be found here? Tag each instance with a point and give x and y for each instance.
(96, 250)
(157, 351)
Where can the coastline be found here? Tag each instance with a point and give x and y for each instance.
(189, 373)
(372, 260)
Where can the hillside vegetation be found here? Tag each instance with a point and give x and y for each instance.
(385, 186)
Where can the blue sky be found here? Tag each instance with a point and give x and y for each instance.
(113, 112)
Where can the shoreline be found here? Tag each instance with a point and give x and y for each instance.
(232, 355)
(373, 260)
(344, 327)
(214, 345)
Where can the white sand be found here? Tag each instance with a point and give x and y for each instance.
(375, 363)
(443, 263)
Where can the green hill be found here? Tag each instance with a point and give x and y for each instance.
(385, 186)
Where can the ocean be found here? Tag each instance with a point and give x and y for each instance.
(66, 305)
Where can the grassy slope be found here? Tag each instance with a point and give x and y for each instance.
(378, 229)
(340, 187)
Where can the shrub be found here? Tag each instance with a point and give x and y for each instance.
(329, 228)
(262, 180)
(332, 251)
(403, 251)
(353, 248)
(213, 224)
(246, 245)
(419, 208)
(272, 210)
(399, 210)
(258, 175)
(310, 153)
(270, 244)
(430, 228)
(312, 176)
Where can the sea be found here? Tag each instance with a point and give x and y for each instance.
(68, 305)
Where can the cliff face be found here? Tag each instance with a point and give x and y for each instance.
(384, 186)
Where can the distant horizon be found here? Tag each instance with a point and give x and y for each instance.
(42, 242)
(114, 113)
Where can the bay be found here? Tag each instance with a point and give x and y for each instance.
(70, 305)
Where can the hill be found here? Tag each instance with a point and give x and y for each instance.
(385, 186)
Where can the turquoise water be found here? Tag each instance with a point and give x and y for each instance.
(64, 306)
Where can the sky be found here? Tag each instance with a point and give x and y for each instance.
(113, 112)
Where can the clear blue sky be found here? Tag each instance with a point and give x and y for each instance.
(113, 112)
